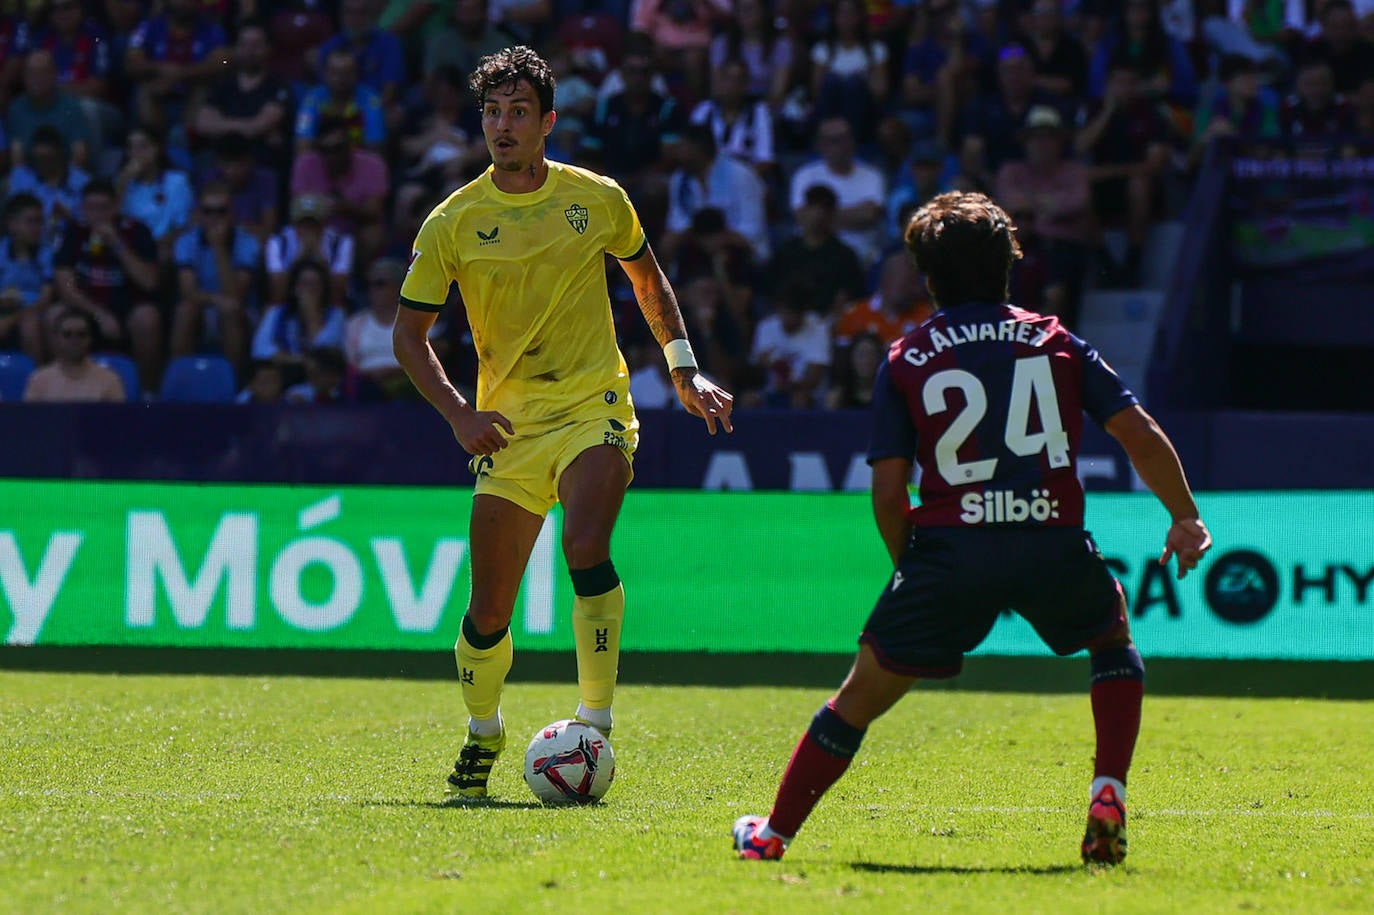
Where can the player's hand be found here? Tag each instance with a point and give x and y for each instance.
(1189, 540)
(703, 397)
(479, 431)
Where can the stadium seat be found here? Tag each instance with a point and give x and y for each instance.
(199, 379)
(124, 367)
(15, 369)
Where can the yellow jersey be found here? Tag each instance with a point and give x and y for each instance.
(532, 272)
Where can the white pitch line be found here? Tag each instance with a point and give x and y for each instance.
(64, 793)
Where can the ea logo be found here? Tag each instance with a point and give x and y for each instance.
(1242, 586)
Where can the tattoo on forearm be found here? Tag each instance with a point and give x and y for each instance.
(661, 313)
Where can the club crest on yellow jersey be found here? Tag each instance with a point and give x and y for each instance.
(577, 217)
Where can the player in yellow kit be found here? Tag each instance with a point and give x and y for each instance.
(526, 243)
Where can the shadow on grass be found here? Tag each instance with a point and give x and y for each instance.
(474, 803)
(1168, 676)
(872, 867)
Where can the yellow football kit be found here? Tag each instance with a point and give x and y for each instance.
(531, 269)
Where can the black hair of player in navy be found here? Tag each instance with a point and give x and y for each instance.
(965, 245)
(508, 67)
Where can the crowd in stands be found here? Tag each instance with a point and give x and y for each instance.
(216, 198)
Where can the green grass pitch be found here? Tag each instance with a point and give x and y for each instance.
(278, 794)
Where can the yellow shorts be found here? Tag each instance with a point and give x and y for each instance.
(527, 470)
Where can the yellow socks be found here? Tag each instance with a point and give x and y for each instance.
(483, 663)
(598, 612)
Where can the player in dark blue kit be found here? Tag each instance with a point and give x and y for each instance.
(988, 400)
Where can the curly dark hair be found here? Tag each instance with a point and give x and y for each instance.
(507, 67)
(965, 245)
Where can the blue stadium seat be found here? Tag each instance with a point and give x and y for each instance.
(15, 369)
(124, 367)
(199, 379)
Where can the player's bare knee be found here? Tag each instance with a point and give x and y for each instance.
(584, 550)
(489, 619)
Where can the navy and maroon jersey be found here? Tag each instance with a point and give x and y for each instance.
(99, 272)
(988, 400)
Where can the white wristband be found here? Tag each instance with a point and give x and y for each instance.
(679, 355)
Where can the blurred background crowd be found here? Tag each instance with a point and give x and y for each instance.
(215, 200)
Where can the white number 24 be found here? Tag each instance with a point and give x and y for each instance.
(1031, 380)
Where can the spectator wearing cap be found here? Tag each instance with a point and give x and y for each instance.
(355, 181)
(309, 237)
(216, 262)
(170, 55)
(990, 131)
(26, 276)
(249, 103)
(72, 376)
(860, 189)
(341, 97)
(253, 189)
(822, 264)
(741, 124)
(707, 179)
(43, 104)
(49, 175)
(1054, 195)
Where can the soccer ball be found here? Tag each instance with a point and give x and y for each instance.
(569, 762)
